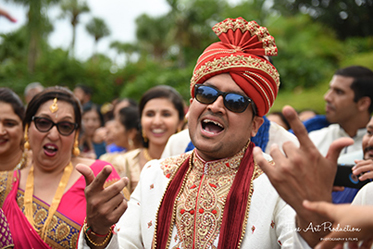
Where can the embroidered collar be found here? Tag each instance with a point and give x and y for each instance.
(219, 166)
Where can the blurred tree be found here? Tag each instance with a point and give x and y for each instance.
(98, 29)
(73, 9)
(38, 27)
(308, 52)
(192, 21)
(128, 49)
(347, 18)
(151, 33)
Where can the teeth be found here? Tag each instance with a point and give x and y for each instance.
(214, 122)
(50, 147)
(157, 131)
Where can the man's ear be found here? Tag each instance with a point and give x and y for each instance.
(364, 103)
(256, 123)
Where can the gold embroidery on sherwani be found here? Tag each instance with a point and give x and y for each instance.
(201, 204)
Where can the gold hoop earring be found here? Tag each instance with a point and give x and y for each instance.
(27, 144)
(76, 151)
(144, 136)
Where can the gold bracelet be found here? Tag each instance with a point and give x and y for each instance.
(108, 235)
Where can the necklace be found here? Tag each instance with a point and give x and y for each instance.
(55, 202)
(22, 162)
(146, 155)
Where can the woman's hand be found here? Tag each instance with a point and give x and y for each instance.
(104, 205)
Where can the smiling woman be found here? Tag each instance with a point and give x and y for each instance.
(44, 202)
(11, 135)
(161, 115)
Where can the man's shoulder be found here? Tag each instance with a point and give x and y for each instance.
(326, 130)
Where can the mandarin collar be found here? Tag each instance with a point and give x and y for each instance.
(219, 166)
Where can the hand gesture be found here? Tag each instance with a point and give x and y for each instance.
(104, 205)
(303, 173)
(363, 167)
(358, 219)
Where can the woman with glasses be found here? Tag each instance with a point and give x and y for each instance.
(45, 202)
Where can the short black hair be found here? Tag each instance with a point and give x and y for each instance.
(362, 84)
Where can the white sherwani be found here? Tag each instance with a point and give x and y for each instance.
(324, 137)
(270, 223)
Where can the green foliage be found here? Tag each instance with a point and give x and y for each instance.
(169, 45)
(97, 28)
(347, 18)
(156, 74)
(302, 98)
(307, 53)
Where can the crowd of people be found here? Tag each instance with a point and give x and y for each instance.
(226, 173)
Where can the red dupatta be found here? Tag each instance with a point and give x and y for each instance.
(235, 211)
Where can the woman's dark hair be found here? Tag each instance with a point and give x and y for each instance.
(10, 97)
(129, 117)
(97, 109)
(166, 92)
(62, 94)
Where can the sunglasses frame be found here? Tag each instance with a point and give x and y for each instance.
(224, 94)
(54, 124)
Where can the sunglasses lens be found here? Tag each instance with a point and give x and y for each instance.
(235, 102)
(43, 124)
(205, 94)
(66, 128)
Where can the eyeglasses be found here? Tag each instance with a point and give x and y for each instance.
(65, 128)
(233, 101)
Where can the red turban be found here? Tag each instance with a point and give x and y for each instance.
(241, 53)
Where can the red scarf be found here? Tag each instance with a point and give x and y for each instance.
(234, 211)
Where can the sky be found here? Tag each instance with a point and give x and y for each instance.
(119, 15)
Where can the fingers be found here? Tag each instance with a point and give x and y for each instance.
(7, 15)
(337, 146)
(338, 188)
(261, 161)
(366, 176)
(87, 172)
(297, 126)
(320, 207)
(366, 244)
(98, 183)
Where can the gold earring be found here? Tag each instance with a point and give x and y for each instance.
(76, 151)
(27, 144)
(144, 136)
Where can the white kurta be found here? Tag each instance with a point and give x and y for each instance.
(364, 196)
(271, 222)
(324, 137)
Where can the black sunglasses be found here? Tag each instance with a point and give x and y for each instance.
(65, 128)
(233, 101)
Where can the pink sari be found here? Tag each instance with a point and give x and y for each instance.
(64, 229)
